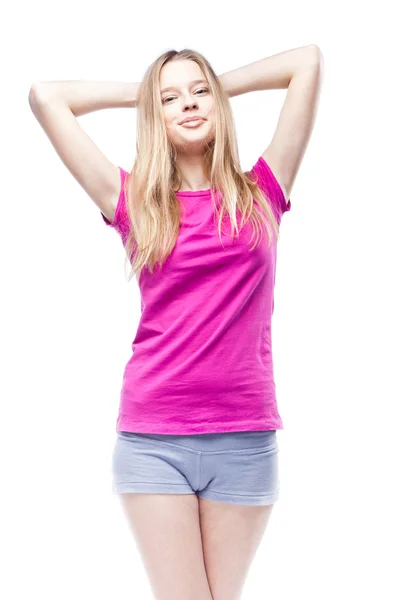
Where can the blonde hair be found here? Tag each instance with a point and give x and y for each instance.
(152, 205)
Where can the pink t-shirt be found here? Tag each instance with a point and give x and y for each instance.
(202, 356)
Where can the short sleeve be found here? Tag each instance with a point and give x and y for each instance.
(121, 219)
(271, 187)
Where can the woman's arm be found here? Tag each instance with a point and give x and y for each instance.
(83, 97)
(271, 73)
(56, 106)
(301, 71)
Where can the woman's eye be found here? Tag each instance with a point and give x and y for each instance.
(171, 97)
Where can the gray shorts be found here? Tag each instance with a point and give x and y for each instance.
(238, 467)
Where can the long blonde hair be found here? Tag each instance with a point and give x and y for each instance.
(152, 205)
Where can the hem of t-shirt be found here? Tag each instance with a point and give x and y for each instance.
(119, 201)
(179, 429)
(285, 205)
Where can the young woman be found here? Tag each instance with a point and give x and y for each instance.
(195, 463)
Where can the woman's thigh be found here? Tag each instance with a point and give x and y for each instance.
(167, 533)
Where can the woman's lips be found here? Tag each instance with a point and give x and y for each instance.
(193, 123)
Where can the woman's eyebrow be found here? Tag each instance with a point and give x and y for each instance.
(195, 82)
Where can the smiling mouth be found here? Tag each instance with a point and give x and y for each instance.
(192, 123)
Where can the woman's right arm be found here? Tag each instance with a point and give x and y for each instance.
(56, 105)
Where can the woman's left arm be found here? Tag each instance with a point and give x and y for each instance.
(271, 73)
(300, 70)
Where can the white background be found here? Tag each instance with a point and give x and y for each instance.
(69, 316)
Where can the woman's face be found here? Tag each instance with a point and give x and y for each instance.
(187, 98)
